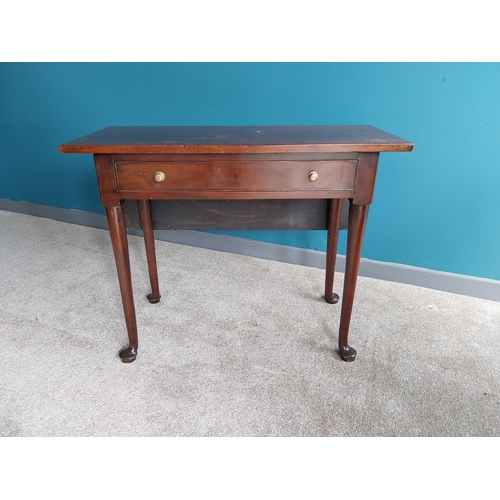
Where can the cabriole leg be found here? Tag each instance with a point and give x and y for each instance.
(149, 242)
(357, 222)
(116, 221)
(331, 249)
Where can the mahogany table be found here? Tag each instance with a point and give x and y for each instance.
(287, 177)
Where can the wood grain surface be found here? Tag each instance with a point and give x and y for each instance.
(268, 139)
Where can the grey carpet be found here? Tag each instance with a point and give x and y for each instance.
(238, 346)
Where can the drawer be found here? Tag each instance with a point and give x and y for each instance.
(242, 176)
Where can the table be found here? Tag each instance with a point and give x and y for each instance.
(272, 177)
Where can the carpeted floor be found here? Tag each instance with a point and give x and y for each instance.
(238, 346)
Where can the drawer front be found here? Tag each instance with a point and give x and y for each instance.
(242, 176)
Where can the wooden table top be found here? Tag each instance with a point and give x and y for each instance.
(226, 139)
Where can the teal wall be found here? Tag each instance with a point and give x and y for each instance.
(437, 207)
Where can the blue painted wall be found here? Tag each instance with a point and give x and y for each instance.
(437, 207)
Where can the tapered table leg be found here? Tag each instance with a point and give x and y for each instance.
(357, 222)
(331, 249)
(119, 241)
(149, 241)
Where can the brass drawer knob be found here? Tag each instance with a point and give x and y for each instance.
(313, 176)
(159, 176)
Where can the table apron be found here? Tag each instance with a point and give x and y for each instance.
(218, 194)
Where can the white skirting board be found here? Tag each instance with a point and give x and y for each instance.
(438, 280)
